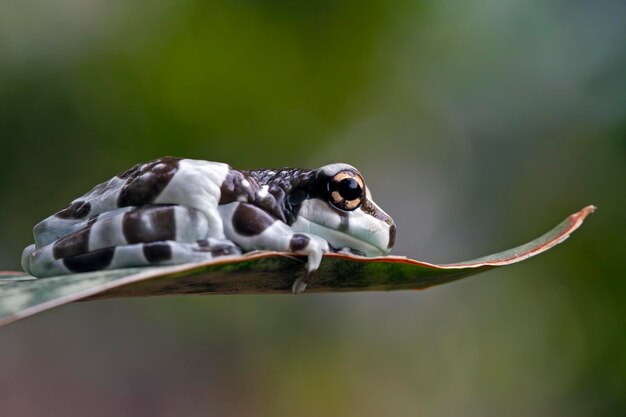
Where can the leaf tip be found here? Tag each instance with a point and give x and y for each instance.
(578, 217)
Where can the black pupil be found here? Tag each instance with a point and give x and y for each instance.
(349, 189)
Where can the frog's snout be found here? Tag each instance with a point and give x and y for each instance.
(392, 235)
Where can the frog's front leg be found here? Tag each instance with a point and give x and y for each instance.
(252, 228)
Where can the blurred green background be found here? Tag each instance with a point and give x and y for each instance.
(479, 125)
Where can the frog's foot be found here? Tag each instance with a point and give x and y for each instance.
(43, 263)
(254, 229)
(312, 246)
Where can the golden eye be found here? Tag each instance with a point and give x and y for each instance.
(346, 190)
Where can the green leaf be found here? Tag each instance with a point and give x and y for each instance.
(257, 273)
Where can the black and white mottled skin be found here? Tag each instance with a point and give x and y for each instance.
(175, 210)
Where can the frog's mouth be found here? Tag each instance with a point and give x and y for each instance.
(340, 239)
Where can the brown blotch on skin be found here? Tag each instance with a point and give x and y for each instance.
(144, 182)
(76, 210)
(249, 220)
(149, 224)
(156, 252)
(90, 261)
(370, 209)
(73, 244)
(137, 170)
(298, 242)
(232, 188)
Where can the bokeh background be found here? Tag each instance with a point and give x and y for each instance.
(478, 125)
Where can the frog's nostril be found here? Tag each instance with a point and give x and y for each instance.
(392, 236)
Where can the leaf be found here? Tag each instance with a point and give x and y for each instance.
(257, 273)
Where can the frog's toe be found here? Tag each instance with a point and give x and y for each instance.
(300, 284)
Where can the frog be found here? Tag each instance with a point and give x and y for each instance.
(175, 210)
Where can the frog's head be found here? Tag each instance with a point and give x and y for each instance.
(339, 208)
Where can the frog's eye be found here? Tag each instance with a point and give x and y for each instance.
(346, 190)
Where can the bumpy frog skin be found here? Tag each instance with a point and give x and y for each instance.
(174, 210)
